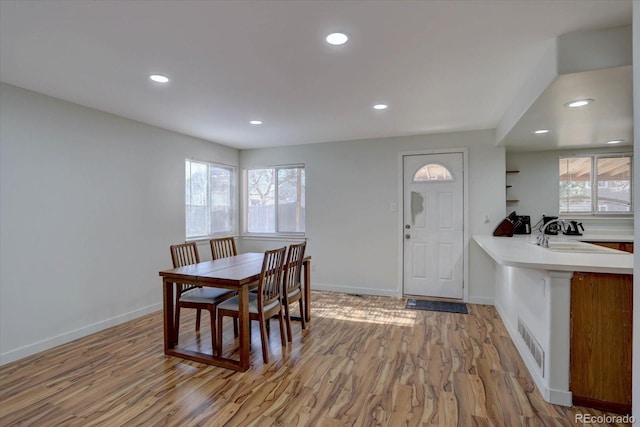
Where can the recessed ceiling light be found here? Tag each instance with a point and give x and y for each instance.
(255, 122)
(579, 103)
(380, 106)
(159, 78)
(615, 141)
(337, 39)
(541, 131)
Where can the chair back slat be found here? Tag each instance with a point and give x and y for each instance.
(269, 285)
(293, 268)
(184, 254)
(223, 247)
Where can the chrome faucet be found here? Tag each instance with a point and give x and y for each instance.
(542, 239)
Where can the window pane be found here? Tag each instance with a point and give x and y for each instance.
(575, 184)
(261, 207)
(291, 206)
(196, 190)
(614, 184)
(432, 172)
(220, 196)
(209, 199)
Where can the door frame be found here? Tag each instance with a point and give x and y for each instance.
(465, 214)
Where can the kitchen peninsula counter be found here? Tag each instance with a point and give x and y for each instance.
(518, 251)
(532, 294)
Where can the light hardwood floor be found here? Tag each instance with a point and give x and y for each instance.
(363, 361)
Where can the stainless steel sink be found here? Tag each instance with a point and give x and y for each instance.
(581, 247)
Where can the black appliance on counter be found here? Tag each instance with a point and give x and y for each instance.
(522, 224)
(573, 228)
(552, 229)
(513, 224)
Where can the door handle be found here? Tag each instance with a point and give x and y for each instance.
(407, 236)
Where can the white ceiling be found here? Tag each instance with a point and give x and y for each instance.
(610, 117)
(440, 65)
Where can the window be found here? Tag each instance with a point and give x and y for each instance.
(432, 172)
(209, 199)
(275, 200)
(596, 184)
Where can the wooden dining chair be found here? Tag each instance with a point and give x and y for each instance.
(223, 247)
(292, 284)
(196, 297)
(264, 304)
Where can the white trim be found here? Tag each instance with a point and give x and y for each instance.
(31, 349)
(433, 181)
(466, 225)
(282, 166)
(595, 189)
(465, 218)
(211, 162)
(244, 203)
(354, 290)
(274, 237)
(213, 236)
(603, 217)
(558, 397)
(480, 300)
(233, 208)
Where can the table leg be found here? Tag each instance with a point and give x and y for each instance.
(245, 325)
(307, 290)
(169, 334)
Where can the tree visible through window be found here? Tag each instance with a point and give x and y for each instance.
(276, 200)
(596, 184)
(209, 199)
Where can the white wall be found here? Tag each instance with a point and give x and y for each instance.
(541, 299)
(89, 204)
(354, 236)
(536, 186)
(636, 181)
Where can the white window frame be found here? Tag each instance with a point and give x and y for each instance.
(245, 202)
(233, 208)
(594, 185)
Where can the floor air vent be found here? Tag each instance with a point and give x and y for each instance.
(532, 344)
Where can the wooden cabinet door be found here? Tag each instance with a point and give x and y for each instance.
(627, 247)
(601, 332)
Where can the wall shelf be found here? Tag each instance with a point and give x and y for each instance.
(511, 201)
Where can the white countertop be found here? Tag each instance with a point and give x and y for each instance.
(601, 236)
(517, 251)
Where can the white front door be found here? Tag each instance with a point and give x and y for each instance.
(433, 225)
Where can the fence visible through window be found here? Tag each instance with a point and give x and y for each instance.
(596, 184)
(276, 200)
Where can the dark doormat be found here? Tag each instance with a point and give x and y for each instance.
(448, 307)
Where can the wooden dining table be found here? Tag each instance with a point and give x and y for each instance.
(237, 273)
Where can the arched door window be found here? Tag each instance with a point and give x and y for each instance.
(433, 172)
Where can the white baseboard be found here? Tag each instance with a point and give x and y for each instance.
(354, 290)
(480, 300)
(558, 397)
(383, 292)
(31, 349)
